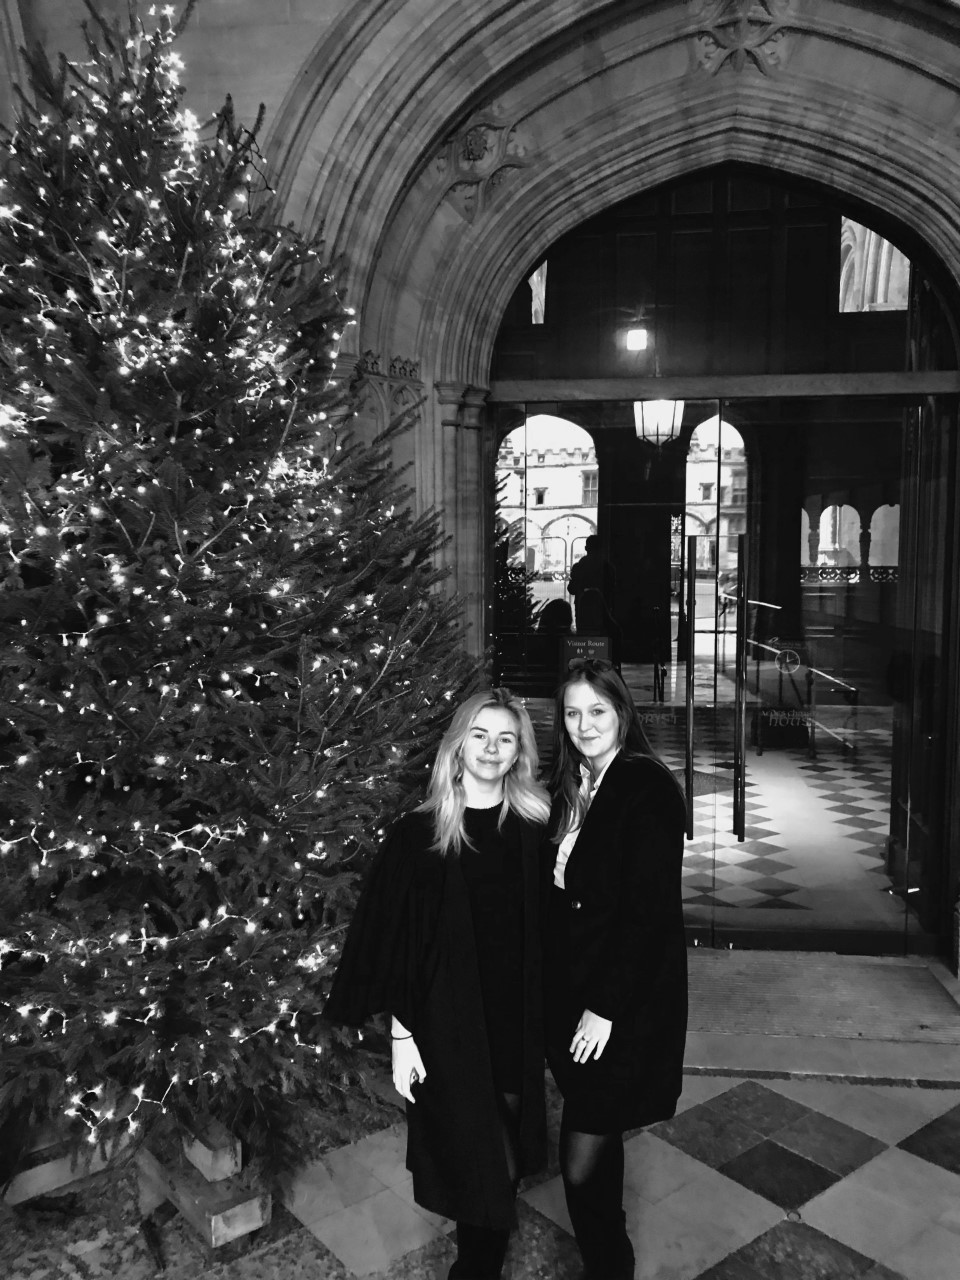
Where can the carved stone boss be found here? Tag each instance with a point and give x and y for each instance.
(741, 34)
(475, 162)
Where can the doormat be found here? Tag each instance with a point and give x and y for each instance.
(810, 993)
(704, 783)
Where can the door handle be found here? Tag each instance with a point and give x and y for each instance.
(691, 644)
(740, 696)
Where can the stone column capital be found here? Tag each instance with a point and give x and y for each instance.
(450, 398)
(474, 400)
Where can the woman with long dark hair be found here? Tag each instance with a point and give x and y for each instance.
(615, 956)
(446, 939)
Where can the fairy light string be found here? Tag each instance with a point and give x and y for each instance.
(226, 657)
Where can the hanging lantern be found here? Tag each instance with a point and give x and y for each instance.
(657, 421)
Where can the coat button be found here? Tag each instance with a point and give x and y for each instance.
(576, 904)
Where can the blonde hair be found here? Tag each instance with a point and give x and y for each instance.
(446, 797)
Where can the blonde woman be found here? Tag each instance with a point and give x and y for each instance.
(446, 940)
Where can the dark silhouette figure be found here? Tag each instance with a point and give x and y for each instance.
(591, 584)
(556, 618)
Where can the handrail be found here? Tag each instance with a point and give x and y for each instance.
(813, 722)
(689, 691)
(834, 679)
(816, 670)
(765, 603)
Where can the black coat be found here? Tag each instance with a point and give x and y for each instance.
(616, 946)
(411, 952)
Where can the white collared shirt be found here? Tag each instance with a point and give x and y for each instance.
(588, 790)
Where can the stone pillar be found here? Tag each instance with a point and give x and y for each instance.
(464, 509)
(865, 548)
(814, 510)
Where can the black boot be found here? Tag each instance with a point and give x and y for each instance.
(480, 1253)
(595, 1204)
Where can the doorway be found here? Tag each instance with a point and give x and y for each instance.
(774, 610)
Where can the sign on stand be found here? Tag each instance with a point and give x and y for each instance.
(572, 647)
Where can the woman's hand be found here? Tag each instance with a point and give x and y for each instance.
(590, 1037)
(408, 1068)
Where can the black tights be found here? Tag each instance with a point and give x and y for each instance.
(481, 1250)
(591, 1165)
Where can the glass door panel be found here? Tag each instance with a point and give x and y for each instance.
(770, 577)
(838, 556)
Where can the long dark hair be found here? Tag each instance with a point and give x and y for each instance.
(632, 741)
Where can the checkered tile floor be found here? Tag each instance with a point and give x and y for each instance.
(792, 1179)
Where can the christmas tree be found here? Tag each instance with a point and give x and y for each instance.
(224, 657)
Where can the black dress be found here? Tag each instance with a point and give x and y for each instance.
(412, 951)
(493, 873)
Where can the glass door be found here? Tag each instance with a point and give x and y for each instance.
(771, 577)
(841, 519)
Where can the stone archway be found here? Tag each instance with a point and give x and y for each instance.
(446, 164)
(444, 144)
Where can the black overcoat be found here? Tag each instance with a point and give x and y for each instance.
(410, 951)
(618, 946)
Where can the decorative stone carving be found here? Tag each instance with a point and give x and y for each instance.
(369, 363)
(408, 370)
(741, 33)
(385, 397)
(405, 403)
(475, 162)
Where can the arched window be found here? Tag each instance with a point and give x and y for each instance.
(547, 493)
(716, 492)
(885, 536)
(839, 536)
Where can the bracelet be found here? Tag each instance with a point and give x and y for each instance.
(393, 1037)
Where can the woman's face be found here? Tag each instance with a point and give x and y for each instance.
(590, 720)
(491, 747)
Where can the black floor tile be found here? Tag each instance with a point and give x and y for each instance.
(938, 1141)
(707, 1135)
(785, 904)
(696, 861)
(766, 864)
(792, 1251)
(772, 885)
(781, 1176)
(829, 1143)
(733, 1267)
(761, 1109)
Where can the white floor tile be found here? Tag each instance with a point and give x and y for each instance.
(548, 1199)
(654, 1169)
(867, 1221)
(327, 1186)
(369, 1236)
(934, 1255)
